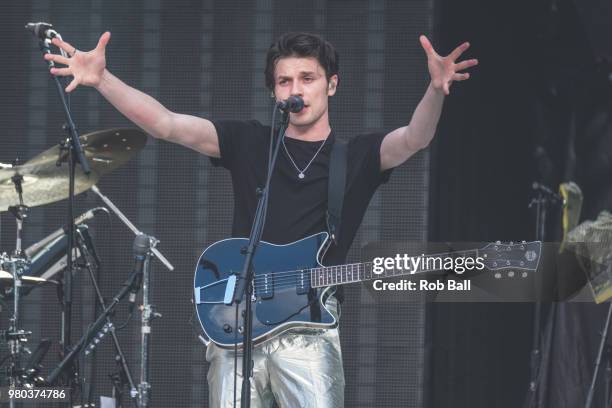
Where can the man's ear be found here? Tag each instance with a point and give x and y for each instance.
(332, 85)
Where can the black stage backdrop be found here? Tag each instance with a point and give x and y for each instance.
(206, 58)
(537, 108)
(480, 184)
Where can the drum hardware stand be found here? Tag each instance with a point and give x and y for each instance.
(20, 212)
(545, 197)
(148, 313)
(18, 265)
(75, 155)
(88, 255)
(15, 337)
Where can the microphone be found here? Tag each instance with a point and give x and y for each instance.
(33, 249)
(142, 244)
(547, 191)
(292, 104)
(41, 30)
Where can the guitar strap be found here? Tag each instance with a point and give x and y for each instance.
(335, 188)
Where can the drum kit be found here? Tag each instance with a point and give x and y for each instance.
(37, 182)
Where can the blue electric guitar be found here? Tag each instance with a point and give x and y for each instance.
(291, 286)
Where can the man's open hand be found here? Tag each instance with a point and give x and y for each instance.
(86, 67)
(445, 70)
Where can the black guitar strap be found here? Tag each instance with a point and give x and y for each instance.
(336, 187)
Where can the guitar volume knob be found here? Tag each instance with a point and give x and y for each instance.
(227, 328)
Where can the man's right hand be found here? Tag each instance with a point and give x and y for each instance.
(86, 67)
(89, 68)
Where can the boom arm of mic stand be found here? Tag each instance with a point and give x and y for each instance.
(94, 328)
(131, 226)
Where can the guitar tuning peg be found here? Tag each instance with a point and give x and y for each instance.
(498, 242)
(523, 242)
(511, 243)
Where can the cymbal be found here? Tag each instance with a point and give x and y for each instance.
(6, 280)
(44, 182)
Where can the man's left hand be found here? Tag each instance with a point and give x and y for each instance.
(444, 70)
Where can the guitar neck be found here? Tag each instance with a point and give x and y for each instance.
(401, 266)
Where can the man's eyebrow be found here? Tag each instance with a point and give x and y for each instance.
(301, 73)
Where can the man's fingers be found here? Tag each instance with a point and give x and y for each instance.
(63, 45)
(466, 64)
(71, 87)
(61, 71)
(104, 39)
(459, 50)
(57, 58)
(426, 45)
(461, 77)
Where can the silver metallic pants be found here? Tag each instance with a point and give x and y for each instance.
(297, 369)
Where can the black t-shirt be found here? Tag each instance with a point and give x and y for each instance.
(297, 207)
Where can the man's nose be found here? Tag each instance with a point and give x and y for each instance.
(296, 89)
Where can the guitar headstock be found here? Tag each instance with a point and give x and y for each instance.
(515, 258)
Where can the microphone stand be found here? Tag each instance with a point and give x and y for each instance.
(92, 330)
(244, 284)
(131, 226)
(75, 155)
(544, 198)
(147, 315)
(88, 256)
(600, 353)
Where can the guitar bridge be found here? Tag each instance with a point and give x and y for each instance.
(210, 293)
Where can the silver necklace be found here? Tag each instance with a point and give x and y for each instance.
(301, 172)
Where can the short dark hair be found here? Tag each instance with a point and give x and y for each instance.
(301, 45)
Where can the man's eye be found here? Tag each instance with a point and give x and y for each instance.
(308, 79)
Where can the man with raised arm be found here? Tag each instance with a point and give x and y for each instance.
(298, 368)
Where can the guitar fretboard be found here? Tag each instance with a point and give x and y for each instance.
(359, 272)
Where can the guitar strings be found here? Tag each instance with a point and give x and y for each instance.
(330, 276)
(289, 282)
(326, 271)
(286, 282)
(310, 270)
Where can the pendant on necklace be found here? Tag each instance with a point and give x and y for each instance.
(301, 175)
